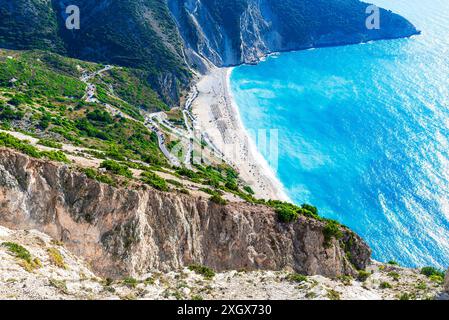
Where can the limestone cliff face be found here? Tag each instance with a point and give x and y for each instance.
(120, 231)
(243, 31)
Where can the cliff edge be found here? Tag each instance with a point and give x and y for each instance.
(128, 231)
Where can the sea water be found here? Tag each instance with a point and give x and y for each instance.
(364, 132)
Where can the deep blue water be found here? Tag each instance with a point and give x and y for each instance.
(364, 132)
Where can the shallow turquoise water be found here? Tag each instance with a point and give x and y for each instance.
(363, 132)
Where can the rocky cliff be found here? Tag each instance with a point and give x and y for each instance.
(124, 231)
(243, 31)
(46, 270)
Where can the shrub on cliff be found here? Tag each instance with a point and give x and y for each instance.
(286, 214)
(232, 185)
(50, 143)
(249, 190)
(55, 156)
(331, 231)
(95, 175)
(155, 181)
(187, 173)
(21, 253)
(309, 210)
(218, 200)
(8, 141)
(206, 272)
(296, 277)
(7, 113)
(363, 275)
(116, 168)
(433, 274)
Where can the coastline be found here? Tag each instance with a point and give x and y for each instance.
(218, 117)
(237, 147)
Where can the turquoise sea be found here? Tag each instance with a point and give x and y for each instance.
(364, 132)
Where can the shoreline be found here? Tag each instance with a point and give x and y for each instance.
(219, 118)
(258, 174)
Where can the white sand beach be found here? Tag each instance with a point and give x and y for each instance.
(218, 117)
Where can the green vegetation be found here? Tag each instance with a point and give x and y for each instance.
(59, 284)
(206, 272)
(130, 282)
(211, 192)
(56, 258)
(286, 214)
(333, 295)
(393, 263)
(345, 279)
(9, 113)
(95, 175)
(155, 181)
(248, 190)
(331, 231)
(421, 285)
(363, 275)
(175, 183)
(218, 177)
(406, 296)
(232, 185)
(18, 251)
(48, 97)
(8, 141)
(394, 275)
(131, 85)
(37, 79)
(433, 274)
(50, 143)
(385, 285)
(430, 271)
(21, 253)
(296, 277)
(218, 200)
(116, 168)
(55, 156)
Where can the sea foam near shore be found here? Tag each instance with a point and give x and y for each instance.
(259, 159)
(218, 117)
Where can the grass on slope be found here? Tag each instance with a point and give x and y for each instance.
(41, 93)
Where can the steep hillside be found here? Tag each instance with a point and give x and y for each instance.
(29, 24)
(243, 31)
(138, 34)
(122, 231)
(85, 104)
(165, 38)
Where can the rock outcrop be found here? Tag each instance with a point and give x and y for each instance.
(124, 231)
(70, 277)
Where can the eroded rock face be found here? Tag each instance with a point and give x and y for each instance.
(255, 28)
(121, 231)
